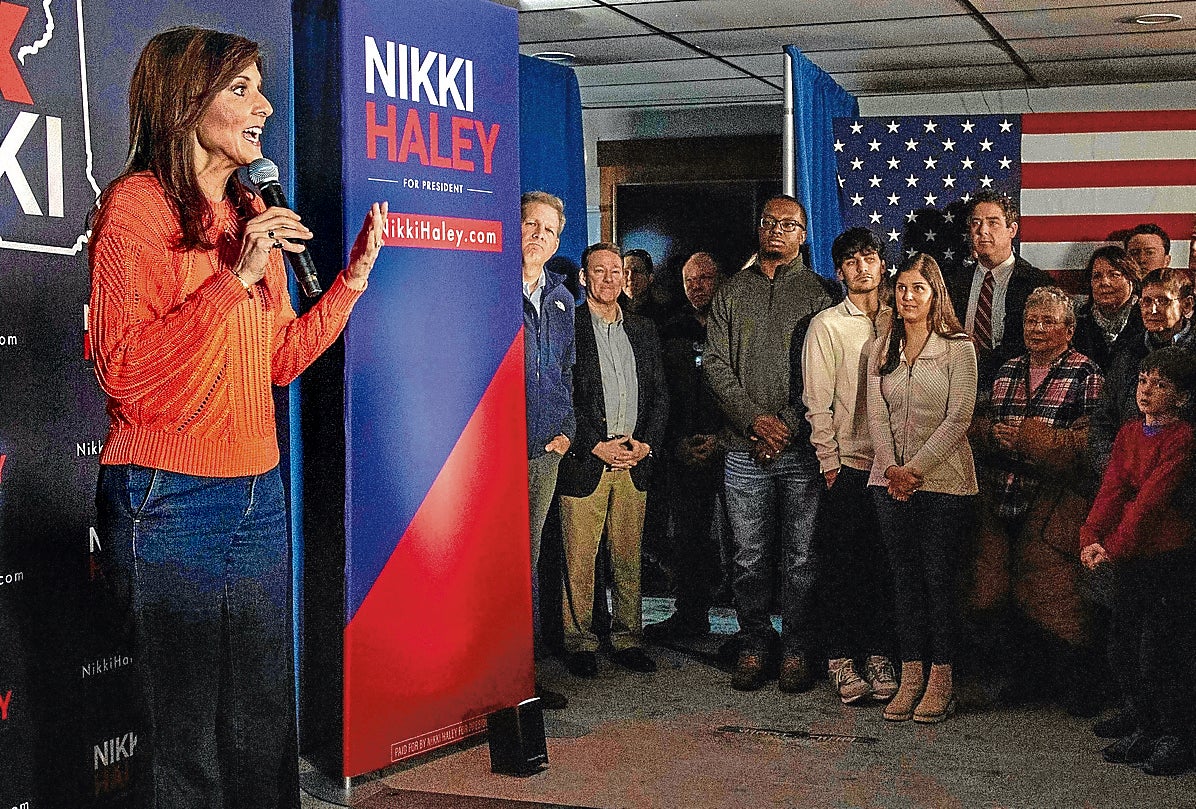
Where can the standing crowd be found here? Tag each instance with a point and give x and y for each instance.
(951, 481)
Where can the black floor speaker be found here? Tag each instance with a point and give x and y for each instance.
(516, 736)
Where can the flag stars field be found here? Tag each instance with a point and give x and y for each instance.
(1080, 178)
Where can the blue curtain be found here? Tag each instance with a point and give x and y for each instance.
(551, 153)
(817, 101)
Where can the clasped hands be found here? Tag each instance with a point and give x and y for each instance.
(903, 482)
(621, 452)
(1004, 435)
(695, 450)
(770, 436)
(1093, 555)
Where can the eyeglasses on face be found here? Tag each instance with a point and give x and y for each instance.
(1044, 322)
(767, 223)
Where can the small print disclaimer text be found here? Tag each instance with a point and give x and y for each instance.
(436, 738)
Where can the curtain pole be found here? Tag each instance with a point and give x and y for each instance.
(788, 150)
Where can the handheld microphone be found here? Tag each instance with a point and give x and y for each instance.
(263, 174)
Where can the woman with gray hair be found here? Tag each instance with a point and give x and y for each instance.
(1032, 437)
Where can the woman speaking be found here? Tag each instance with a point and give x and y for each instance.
(191, 324)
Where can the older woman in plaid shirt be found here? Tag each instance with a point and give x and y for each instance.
(1032, 439)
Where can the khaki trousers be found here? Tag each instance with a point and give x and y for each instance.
(617, 506)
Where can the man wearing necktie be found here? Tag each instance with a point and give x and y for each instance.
(993, 295)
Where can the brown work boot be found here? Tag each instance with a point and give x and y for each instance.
(939, 700)
(795, 675)
(901, 706)
(749, 672)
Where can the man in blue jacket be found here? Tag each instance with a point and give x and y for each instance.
(548, 356)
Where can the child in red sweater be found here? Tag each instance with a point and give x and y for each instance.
(1137, 527)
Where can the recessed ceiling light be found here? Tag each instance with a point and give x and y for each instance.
(1157, 19)
(560, 57)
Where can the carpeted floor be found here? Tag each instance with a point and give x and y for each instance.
(682, 739)
(388, 798)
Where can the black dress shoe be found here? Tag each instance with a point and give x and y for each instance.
(1171, 755)
(1132, 749)
(1122, 723)
(582, 664)
(551, 700)
(634, 659)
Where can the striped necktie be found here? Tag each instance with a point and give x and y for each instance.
(982, 325)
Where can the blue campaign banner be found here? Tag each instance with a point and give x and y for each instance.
(437, 562)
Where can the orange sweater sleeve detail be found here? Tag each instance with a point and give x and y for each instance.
(298, 341)
(144, 336)
(185, 354)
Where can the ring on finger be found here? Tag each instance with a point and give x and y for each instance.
(277, 245)
(270, 233)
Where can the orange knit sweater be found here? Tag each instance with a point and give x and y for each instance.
(185, 354)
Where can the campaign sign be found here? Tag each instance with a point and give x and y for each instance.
(45, 126)
(438, 586)
(70, 732)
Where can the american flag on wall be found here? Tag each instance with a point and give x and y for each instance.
(1082, 179)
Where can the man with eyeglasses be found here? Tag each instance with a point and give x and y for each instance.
(771, 472)
(1150, 246)
(990, 296)
(1167, 303)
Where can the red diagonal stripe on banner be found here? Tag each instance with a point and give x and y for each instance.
(445, 634)
(1098, 227)
(1109, 174)
(1057, 123)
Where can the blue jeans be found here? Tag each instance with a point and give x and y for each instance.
(205, 566)
(925, 537)
(763, 502)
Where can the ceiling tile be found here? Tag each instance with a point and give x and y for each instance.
(633, 50)
(1106, 47)
(706, 15)
(925, 56)
(932, 80)
(998, 6)
(670, 71)
(942, 49)
(580, 23)
(1108, 20)
(848, 35)
(1128, 70)
(733, 91)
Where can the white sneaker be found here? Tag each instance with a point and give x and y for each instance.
(851, 686)
(878, 671)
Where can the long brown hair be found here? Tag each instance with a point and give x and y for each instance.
(941, 320)
(179, 73)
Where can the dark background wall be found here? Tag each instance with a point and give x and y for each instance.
(68, 725)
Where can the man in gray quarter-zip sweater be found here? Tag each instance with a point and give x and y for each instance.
(772, 478)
